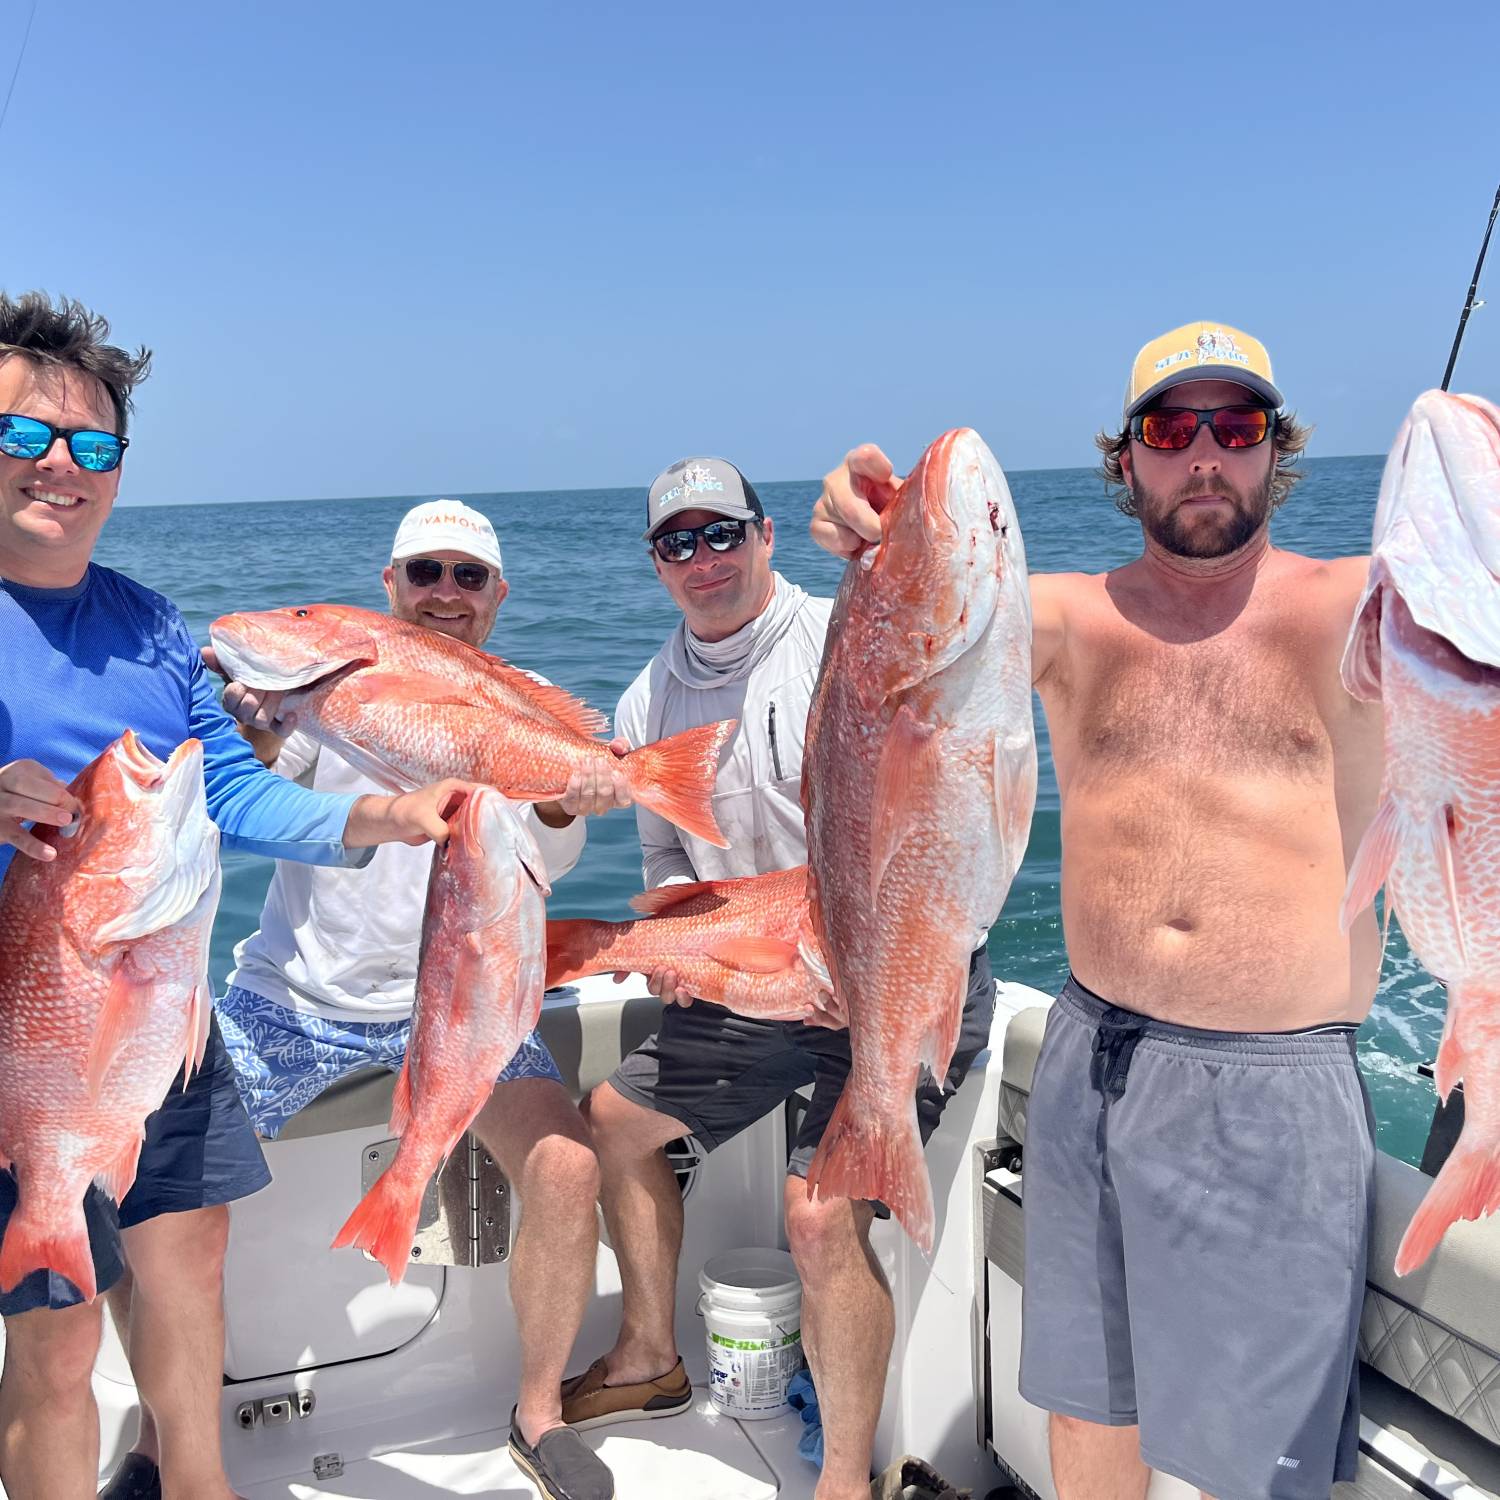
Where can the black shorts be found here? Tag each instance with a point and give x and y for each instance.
(199, 1150)
(719, 1073)
(1197, 1208)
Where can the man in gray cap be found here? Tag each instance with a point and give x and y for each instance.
(748, 647)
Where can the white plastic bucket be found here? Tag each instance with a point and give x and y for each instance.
(751, 1305)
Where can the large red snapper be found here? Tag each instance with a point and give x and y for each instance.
(918, 783)
(409, 706)
(479, 992)
(739, 943)
(1426, 642)
(104, 992)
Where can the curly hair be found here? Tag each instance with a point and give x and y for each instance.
(1289, 439)
(65, 335)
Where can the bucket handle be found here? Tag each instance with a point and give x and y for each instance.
(698, 1305)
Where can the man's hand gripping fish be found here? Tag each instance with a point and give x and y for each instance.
(918, 784)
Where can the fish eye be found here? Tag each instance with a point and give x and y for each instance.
(301, 614)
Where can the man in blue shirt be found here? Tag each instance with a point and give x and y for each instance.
(84, 654)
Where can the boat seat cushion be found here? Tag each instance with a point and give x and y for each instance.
(1436, 1332)
(1023, 1040)
(586, 1041)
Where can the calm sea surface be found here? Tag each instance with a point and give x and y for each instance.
(586, 610)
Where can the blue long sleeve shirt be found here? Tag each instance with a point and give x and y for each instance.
(80, 665)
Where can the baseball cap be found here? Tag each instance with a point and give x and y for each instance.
(700, 484)
(447, 526)
(1200, 351)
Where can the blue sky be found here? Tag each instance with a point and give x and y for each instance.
(436, 247)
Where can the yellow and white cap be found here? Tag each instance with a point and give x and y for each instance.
(1200, 351)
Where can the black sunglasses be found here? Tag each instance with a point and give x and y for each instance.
(30, 437)
(1175, 427)
(424, 572)
(679, 545)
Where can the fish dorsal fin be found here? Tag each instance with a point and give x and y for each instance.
(754, 955)
(663, 898)
(573, 713)
(908, 763)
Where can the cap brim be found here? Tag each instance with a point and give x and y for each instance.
(732, 512)
(1231, 373)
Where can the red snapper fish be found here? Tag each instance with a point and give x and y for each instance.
(409, 706)
(1426, 642)
(104, 992)
(744, 944)
(918, 783)
(479, 993)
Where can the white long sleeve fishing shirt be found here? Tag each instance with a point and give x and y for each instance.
(764, 679)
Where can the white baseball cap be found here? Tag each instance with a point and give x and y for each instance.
(447, 526)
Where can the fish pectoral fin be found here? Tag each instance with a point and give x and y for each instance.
(409, 687)
(1013, 787)
(1372, 862)
(909, 762)
(754, 955)
(119, 1014)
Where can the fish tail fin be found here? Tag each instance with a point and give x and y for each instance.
(1372, 863)
(675, 777)
(63, 1247)
(1468, 1187)
(874, 1157)
(574, 946)
(384, 1221)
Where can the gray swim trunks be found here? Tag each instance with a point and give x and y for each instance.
(1197, 1209)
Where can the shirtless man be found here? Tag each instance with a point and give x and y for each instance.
(1199, 1150)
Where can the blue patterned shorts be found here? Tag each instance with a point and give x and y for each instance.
(283, 1059)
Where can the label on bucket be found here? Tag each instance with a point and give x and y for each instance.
(750, 1376)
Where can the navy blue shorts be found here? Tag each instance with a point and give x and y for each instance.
(199, 1150)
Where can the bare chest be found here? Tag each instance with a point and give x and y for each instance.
(1240, 705)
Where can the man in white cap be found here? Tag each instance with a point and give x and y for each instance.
(1199, 1150)
(747, 647)
(325, 988)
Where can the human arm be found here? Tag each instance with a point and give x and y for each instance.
(257, 712)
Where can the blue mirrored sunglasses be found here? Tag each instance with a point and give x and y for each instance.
(30, 437)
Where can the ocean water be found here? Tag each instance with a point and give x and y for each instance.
(586, 610)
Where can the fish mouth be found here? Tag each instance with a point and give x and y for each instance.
(243, 664)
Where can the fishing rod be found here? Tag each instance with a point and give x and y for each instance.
(20, 56)
(1469, 303)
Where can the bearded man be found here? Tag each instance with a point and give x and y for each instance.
(1199, 1149)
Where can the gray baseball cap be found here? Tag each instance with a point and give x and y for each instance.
(700, 484)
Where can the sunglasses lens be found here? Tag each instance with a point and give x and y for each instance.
(423, 572)
(1168, 427)
(675, 546)
(99, 452)
(471, 576)
(24, 437)
(722, 535)
(1241, 426)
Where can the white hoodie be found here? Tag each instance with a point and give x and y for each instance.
(763, 676)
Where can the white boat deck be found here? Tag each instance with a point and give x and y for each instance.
(700, 1453)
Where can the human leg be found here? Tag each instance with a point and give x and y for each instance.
(1091, 1461)
(847, 1329)
(49, 1422)
(542, 1145)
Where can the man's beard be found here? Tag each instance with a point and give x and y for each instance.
(1204, 534)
